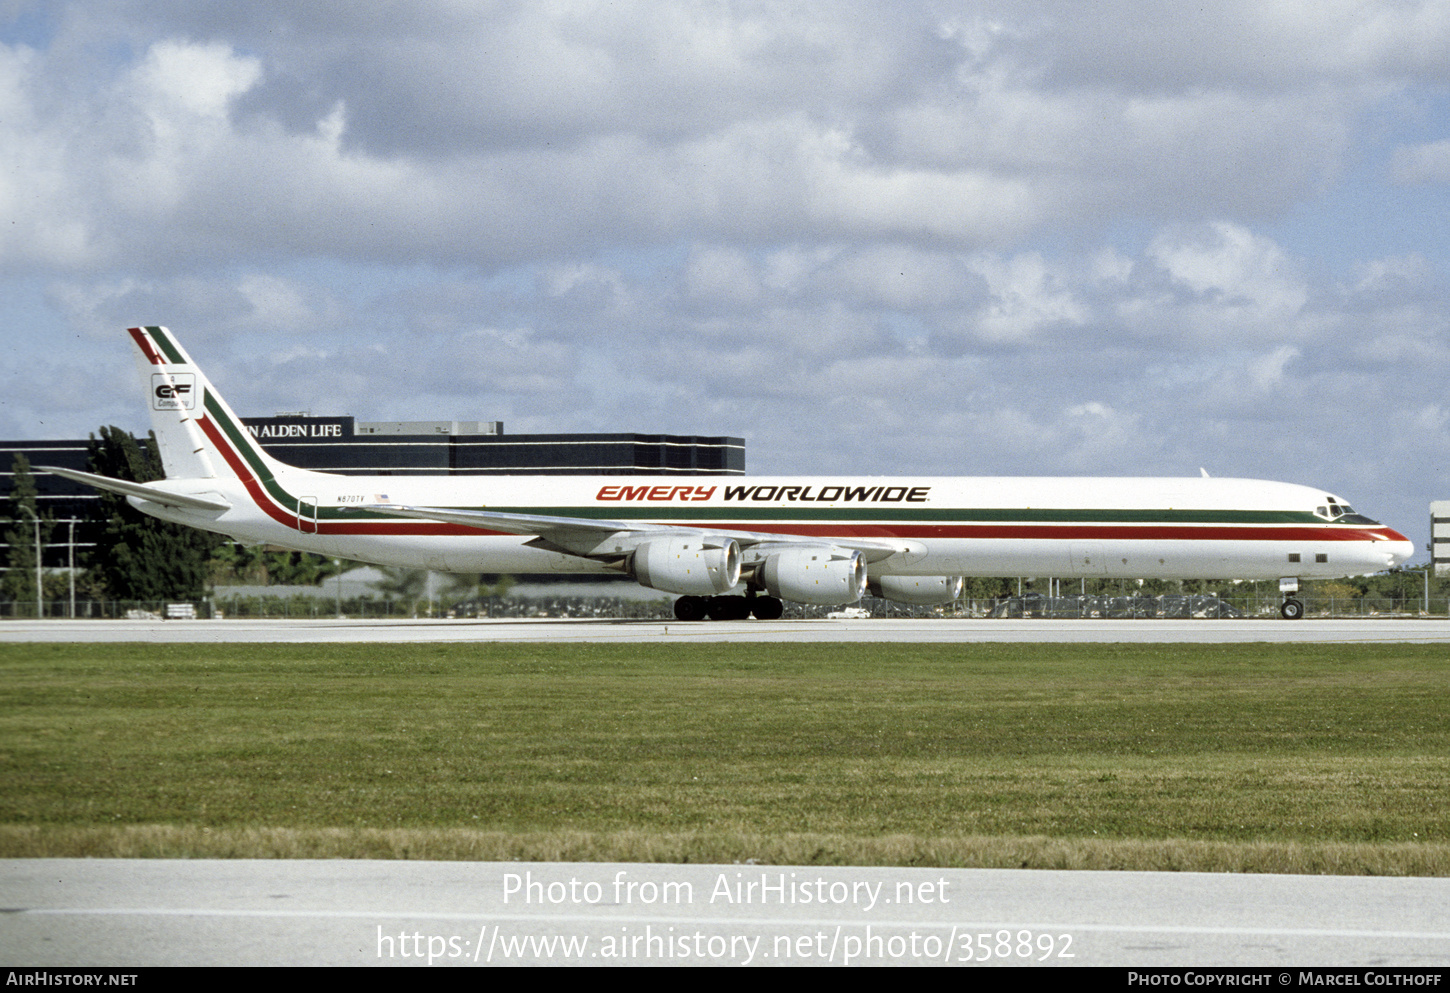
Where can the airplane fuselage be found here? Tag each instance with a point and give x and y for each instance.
(1171, 528)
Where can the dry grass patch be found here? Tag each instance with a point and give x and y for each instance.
(461, 844)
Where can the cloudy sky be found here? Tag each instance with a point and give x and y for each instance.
(956, 238)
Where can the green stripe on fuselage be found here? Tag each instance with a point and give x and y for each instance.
(748, 511)
(243, 443)
(888, 513)
(898, 512)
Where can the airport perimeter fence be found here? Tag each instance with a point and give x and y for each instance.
(322, 607)
(1200, 606)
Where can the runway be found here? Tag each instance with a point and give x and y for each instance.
(1368, 630)
(72, 912)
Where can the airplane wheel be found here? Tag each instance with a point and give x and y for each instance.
(766, 608)
(727, 608)
(690, 608)
(1292, 610)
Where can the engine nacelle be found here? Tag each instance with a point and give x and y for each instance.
(688, 565)
(919, 590)
(819, 574)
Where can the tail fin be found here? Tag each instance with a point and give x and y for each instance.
(197, 432)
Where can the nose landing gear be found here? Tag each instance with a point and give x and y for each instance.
(1292, 609)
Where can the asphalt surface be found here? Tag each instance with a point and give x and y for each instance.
(1007, 630)
(116, 912)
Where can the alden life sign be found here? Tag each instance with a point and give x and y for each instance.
(276, 432)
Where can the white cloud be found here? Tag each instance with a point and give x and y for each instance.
(1424, 163)
(328, 134)
(1242, 285)
(485, 362)
(1230, 262)
(1245, 43)
(1404, 274)
(722, 275)
(178, 80)
(278, 303)
(1268, 370)
(1433, 419)
(38, 191)
(1026, 296)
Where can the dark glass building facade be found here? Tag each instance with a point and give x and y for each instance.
(344, 445)
(473, 448)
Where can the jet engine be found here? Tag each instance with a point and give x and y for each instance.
(820, 574)
(688, 564)
(921, 590)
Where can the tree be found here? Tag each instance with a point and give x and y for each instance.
(233, 563)
(264, 565)
(290, 568)
(406, 585)
(140, 557)
(476, 586)
(19, 582)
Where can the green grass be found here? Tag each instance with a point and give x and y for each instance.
(1258, 757)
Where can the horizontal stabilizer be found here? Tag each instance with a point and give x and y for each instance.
(143, 491)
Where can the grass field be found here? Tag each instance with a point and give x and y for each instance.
(1277, 758)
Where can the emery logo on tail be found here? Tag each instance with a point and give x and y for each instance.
(173, 392)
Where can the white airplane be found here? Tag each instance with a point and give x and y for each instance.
(825, 540)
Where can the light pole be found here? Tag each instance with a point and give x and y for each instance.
(71, 565)
(39, 570)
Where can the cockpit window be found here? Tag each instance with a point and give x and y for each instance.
(1342, 513)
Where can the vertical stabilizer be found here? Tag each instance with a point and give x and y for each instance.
(197, 432)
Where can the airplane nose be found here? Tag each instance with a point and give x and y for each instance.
(1397, 548)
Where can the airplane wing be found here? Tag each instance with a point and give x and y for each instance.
(508, 523)
(143, 491)
(590, 537)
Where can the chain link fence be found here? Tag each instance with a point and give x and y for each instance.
(1199, 606)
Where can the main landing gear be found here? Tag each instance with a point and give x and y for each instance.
(1292, 609)
(728, 608)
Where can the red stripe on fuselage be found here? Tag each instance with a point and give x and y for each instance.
(1058, 532)
(244, 473)
(288, 519)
